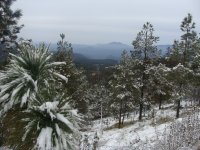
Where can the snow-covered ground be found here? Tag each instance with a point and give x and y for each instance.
(135, 134)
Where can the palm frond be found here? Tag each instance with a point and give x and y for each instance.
(26, 74)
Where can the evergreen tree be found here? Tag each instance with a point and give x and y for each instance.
(188, 39)
(8, 26)
(180, 77)
(97, 97)
(122, 89)
(144, 53)
(184, 51)
(77, 81)
(160, 86)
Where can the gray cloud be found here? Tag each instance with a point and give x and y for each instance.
(100, 21)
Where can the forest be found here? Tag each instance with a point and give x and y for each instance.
(49, 102)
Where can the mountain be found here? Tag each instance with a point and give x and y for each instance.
(102, 51)
(111, 50)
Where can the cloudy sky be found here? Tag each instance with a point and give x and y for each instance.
(103, 21)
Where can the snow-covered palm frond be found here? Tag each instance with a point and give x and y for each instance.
(50, 124)
(26, 74)
(55, 124)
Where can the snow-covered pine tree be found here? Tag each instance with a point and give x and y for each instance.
(8, 26)
(196, 68)
(181, 77)
(160, 87)
(184, 51)
(122, 89)
(77, 84)
(99, 101)
(143, 55)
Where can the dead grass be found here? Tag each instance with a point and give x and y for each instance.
(161, 120)
(116, 125)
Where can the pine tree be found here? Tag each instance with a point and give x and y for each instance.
(98, 100)
(181, 77)
(143, 54)
(8, 26)
(184, 51)
(160, 86)
(77, 81)
(122, 88)
(188, 39)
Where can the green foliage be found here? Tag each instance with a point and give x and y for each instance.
(143, 55)
(122, 88)
(9, 27)
(77, 82)
(160, 87)
(26, 74)
(32, 101)
(97, 98)
(184, 54)
(144, 47)
(184, 51)
(26, 127)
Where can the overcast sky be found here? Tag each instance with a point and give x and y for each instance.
(103, 21)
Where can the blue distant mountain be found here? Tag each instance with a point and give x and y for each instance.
(111, 50)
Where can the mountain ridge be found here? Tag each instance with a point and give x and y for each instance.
(110, 50)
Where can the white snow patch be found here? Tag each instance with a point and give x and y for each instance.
(44, 139)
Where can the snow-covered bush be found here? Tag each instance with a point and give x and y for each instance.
(182, 133)
(25, 74)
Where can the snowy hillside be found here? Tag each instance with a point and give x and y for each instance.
(145, 134)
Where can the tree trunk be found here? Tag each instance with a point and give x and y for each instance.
(178, 108)
(160, 101)
(124, 114)
(140, 113)
(120, 115)
(179, 102)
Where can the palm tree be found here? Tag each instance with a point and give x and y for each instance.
(49, 123)
(54, 123)
(46, 121)
(26, 74)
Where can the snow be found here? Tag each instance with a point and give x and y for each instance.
(61, 76)
(4, 97)
(29, 78)
(65, 120)
(44, 139)
(25, 97)
(50, 107)
(56, 64)
(120, 96)
(136, 134)
(128, 136)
